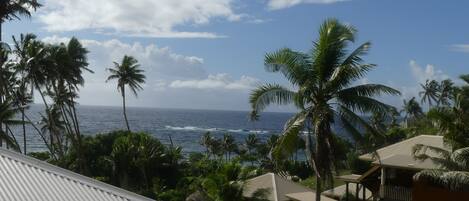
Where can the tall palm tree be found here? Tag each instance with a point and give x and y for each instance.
(324, 79)
(430, 92)
(229, 145)
(453, 121)
(206, 141)
(14, 9)
(412, 110)
(7, 117)
(251, 141)
(127, 73)
(446, 92)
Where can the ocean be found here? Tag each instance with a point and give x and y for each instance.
(185, 126)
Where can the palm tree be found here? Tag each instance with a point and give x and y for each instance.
(323, 78)
(251, 141)
(206, 141)
(14, 9)
(453, 121)
(22, 99)
(453, 171)
(54, 125)
(430, 92)
(128, 73)
(412, 110)
(7, 117)
(229, 145)
(446, 92)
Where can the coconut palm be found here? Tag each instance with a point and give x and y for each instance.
(453, 121)
(53, 124)
(22, 99)
(7, 117)
(445, 92)
(412, 110)
(14, 9)
(127, 73)
(251, 141)
(206, 141)
(453, 171)
(229, 145)
(324, 79)
(430, 92)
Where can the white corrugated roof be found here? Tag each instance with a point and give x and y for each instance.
(23, 178)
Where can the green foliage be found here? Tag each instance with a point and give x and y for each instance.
(355, 165)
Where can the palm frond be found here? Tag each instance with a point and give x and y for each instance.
(268, 94)
(293, 65)
(287, 142)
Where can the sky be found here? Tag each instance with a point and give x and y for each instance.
(208, 54)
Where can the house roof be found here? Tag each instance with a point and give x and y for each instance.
(279, 187)
(400, 154)
(23, 178)
(407, 162)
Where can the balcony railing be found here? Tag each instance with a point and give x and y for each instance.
(397, 193)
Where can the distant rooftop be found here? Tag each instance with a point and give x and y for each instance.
(23, 178)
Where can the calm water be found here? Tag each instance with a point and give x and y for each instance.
(184, 126)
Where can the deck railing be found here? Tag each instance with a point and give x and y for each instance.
(397, 193)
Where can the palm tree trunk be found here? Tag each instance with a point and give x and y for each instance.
(24, 130)
(123, 107)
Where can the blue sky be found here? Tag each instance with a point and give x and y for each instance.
(209, 53)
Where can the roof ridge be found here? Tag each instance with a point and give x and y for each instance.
(93, 183)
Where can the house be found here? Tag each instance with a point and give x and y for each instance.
(23, 178)
(390, 178)
(281, 189)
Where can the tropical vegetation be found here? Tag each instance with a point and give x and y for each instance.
(325, 88)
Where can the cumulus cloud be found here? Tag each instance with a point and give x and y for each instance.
(146, 18)
(429, 72)
(217, 81)
(173, 80)
(281, 4)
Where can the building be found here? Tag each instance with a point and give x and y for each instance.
(391, 177)
(23, 178)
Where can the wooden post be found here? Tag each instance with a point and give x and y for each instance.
(364, 192)
(357, 191)
(383, 181)
(346, 191)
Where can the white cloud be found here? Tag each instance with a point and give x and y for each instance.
(461, 47)
(158, 61)
(429, 72)
(281, 4)
(173, 80)
(148, 18)
(218, 81)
